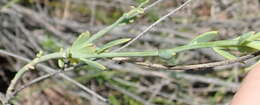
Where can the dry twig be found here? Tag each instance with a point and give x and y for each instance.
(201, 66)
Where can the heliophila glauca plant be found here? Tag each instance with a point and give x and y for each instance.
(84, 49)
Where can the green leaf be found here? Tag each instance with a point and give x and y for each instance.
(113, 43)
(205, 37)
(254, 37)
(81, 40)
(246, 49)
(83, 52)
(166, 54)
(224, 53)
(93, 64)
(244, 38)
(81, 48)
(254, 44)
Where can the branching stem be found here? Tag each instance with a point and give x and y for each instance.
(223, 43)
(29, 66)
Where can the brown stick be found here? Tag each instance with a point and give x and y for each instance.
(200, 66)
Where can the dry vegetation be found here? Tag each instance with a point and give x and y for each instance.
(29, 26)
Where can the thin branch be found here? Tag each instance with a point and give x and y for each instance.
(34, 82)
(28, 67)
(50, 70)
(103, 32)
(201, 66)
(152, 25)
(39, 79)
(131, 68)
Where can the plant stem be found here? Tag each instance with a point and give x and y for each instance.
(29, 66)
(223, 43)
(124, 54)
(107, 29)
(127, 16)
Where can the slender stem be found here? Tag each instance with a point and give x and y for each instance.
(107, 29)
(34, 82)
(152, 25)
(201, 66)
(130, 15)
(124, 54)
(176, 50)
(220, 43)
(29, 66)
(50, 70)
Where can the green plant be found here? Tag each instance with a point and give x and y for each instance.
(84, 50)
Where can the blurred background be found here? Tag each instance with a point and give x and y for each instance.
(30, 26)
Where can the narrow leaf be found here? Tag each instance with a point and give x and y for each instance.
(205, 37)
(243, 38)
(166, 54)
(93, 64)
(254, 44)
(80, 41)
(83, 51)
(224, 53)
(113, 43)
(254, 37)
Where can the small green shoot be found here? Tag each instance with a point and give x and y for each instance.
(205, 37)
(93, 64)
